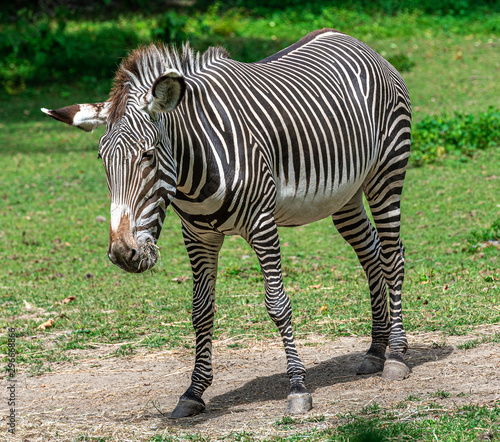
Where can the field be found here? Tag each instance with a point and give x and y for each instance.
(53, 243)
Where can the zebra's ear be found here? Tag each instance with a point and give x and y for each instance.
(166, 92)
(84, 116)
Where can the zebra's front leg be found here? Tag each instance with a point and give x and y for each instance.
(265, 242)
(203, 250)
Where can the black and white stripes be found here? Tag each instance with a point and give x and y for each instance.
(241, 148)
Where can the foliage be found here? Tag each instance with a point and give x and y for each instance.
(53, 189)
(58, 45)
(46, 50)
(434, 138)
(170, 28)
(401, 62)
(109, 8)
(36, 51)
(458, 7)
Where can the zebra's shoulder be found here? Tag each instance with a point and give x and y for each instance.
(312, 36)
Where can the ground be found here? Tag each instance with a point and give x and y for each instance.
(130, 398)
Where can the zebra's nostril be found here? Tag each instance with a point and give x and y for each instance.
(133, 255)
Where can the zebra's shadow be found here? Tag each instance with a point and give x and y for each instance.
(337, 370)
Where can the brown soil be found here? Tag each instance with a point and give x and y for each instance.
(130, 399)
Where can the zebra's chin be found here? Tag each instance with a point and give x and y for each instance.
(148, 252)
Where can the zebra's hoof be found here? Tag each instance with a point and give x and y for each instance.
(395, 370)
(187, 407)
(298, 403)
(371, 364)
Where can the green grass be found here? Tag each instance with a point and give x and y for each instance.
(416, 422)
(467, 423)
(53, 188)
(473, 343)
(52, 247)
(490, 234)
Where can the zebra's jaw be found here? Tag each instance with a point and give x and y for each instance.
(134, 253)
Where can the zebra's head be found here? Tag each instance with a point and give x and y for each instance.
(140, 168)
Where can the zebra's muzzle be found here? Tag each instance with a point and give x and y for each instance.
(136, 259)
(132, 253)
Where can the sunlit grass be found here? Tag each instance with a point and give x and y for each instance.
(52, 246)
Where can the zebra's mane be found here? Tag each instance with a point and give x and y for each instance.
(139, 70)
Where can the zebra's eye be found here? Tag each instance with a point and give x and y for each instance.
(147, 155)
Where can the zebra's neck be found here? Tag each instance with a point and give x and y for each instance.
(200, 172)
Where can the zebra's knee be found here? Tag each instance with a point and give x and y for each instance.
(392, 258)
(279, 315)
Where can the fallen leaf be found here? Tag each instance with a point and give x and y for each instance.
(46, 324)
(446, 287)
(317, 286)
(323, 308)
(180, 279)
(28, 306)
(68, 299)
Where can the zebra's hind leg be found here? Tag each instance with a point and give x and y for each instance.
(355, 227)
(383, 191)
(203, 250)
(265, 242)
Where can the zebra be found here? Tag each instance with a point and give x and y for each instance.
(242, 148)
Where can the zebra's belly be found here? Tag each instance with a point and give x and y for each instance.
(304, 206)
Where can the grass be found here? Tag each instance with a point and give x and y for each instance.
(422, 422)
(467, 423)
(457, 51)
(54, 189)
(485, 339)
(52, 247)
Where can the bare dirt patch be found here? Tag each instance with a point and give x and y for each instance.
(131, 398)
